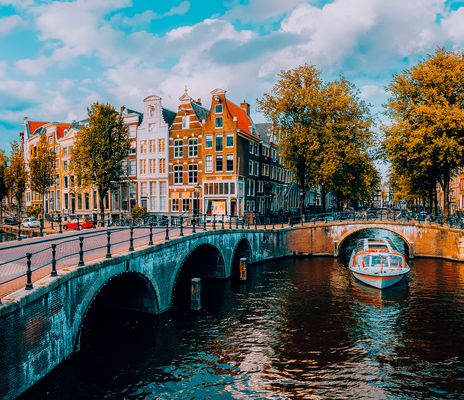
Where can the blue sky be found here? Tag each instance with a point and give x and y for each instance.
(58, 57)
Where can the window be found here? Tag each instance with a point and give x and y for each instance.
(257, 149)
(65, 165)
(163, 190)
(178, 148)
(218, 122)
(185, 122)
(256, 168)
(218, 142)
(193, 148)
(143, 167)
(66, 185)
(209, 142)
(250, 167)
(151, 111)
(152, 165)
(185, 204)
(133, 149)
(193, 173)
(161, 145)
(218, 163)
(230, 140)
(230, 162)
(251, 147)
(87, 201)
(260, 186)
(79, 201)
(66, 201)
(132, 131)
(152, 146)
(151, 127)
(178, 175)
(162, 165)
(209, 163)
(57, 149)
(218, 109)
(50, 139)
(143, 147)
(57, 164)
(65, 152)
(175, 205)
(132, 167)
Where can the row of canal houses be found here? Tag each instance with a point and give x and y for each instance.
(195, 160)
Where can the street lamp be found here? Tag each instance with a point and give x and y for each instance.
(196, 203)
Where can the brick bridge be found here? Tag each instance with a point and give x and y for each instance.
(40, 328)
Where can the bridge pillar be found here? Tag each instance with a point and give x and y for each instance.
(411, 249)
(335, 248)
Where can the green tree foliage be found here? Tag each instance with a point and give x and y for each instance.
(99, 151)
(3, 187)
(16, 176)
(326, 133)
(42, 169)
(425, 139)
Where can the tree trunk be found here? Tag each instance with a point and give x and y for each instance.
(323, 200)
(43, 209)
(102, 207)
(445, 186)
(435, 198)
(302, 192)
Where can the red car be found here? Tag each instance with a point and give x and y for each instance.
(83, 224)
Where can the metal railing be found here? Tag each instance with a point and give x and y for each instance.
(104, 243)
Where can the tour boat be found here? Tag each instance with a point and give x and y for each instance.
(377, 263)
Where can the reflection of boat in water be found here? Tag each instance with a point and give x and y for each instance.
(377, 263)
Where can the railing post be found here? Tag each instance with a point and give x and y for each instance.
(194, 222)
(150, 240)
(243, 222)
(167, 231)
(230, 222)
(264, 222)
(214, 222)
(81, 251)
(19, 231)
(78, 222)
(302, 219)
(54, 273)
(108, 224)
(108, 244)
(41, 230)
(181, 221)
(131, 238)
(273, 224)
(61, 224)
(248, 222)
(222, 222)
(29, 272)
(282, 221)
(236, 221)
(256, 221)
(204, 222)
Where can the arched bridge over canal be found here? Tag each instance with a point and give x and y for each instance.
(40, 328)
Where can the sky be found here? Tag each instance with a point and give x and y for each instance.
(57, 57)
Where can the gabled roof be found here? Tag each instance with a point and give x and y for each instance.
(200, 112)
(168, 116)
(244, 121)
(38, 127)
(263, 130)
(33, 126)
(60, 128)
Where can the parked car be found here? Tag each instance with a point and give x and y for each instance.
(83, 224)
(11, 220)
(30, 223)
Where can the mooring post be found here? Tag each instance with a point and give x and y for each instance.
(194, 222)
(222, 222)
(131, 239)
(214, 222)
(81, 252)
(54, 273)
(42, 226)
(243, 269)
(167, 231)
(181, 221)
(204, 222)
(61, 224)
(150, 240)
(29, 272)
(195, 302)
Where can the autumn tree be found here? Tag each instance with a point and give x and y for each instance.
(426, 108)
(99, 150)
(326, 133)
(16, 176)
(3, 187)
(42, 169)
(293, 104)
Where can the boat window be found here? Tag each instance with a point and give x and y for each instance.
(396, 261)
(379, 261)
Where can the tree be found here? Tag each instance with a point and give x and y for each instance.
(326, 133)
(42, 169)
(3, 187)
(16, 176)
(99, 150)
(293, 105)
(426, 108)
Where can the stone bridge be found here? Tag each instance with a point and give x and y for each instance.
(42, 327)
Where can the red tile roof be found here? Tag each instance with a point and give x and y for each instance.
(243, 119)
(34, 125)
(60, 127)
(60, 130)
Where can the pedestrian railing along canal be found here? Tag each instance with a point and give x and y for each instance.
(42, 259)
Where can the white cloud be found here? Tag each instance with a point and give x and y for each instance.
(371, 91)
(259, 10)
(24, 90)
(7, 24)
(454, 26)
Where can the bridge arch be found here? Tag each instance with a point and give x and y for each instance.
(204, 261)
(339, 244)
(242, 249)
(128, 290)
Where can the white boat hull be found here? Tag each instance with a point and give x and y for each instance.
(379, 281)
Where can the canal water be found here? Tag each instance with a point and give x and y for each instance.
(298, 329)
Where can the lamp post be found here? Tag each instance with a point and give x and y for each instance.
(196, 203)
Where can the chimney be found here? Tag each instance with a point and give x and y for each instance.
(198, 101)
(245, 106)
